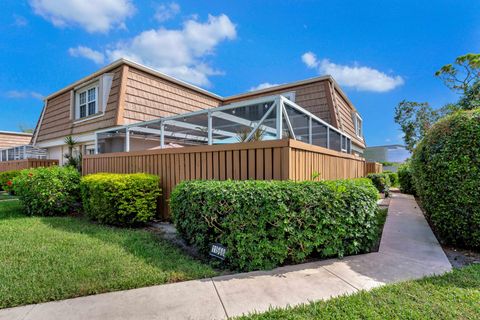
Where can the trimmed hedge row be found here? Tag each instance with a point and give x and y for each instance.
(48, 191)
(381, 181)
(120, 199)
(446, 171)
(267, 223)
(393, 177)
(6, 180)
(405, 179)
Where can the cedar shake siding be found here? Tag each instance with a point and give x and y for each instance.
(58, 119)
(149, 97)
(14, 139)
(346, 113)
(312, 97)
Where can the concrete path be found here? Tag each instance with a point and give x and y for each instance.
(408, 250)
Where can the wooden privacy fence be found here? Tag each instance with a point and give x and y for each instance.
(26, 164)
(262, 160)
(373, 167)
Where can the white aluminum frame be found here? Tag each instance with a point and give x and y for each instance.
(278, 103)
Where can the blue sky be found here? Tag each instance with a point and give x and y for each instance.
(380, 51)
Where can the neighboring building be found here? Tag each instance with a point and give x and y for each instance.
(12, 139)
(395, 153)
(125, 92)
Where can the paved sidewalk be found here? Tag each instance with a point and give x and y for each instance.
(408, 250)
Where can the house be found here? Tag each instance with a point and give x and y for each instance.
(394, 153)
(125, 92)
(12, 139)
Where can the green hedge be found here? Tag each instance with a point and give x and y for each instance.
(48, 191)
(120, 199)
(405, 179)
(393, 177)
(381, 181)
(267, 223)
(6, 180)
(446, 172)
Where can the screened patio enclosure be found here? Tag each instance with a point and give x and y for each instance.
(261, 119)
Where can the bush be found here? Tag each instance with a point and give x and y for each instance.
(405, 179)
(381, 181)
(48, 191)
(446, 172)
(393, 177)
(120, 199)
(264, 224)
(6, 180)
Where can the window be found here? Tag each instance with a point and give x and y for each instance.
(357, 121)
(86, 101)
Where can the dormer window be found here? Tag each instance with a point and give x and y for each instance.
(86, 101)
(357, 121)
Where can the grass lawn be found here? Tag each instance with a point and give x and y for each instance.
(43, 259)
(455, 295)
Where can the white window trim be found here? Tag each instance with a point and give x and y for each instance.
(77, 101)
(357, 129)
(104, 85)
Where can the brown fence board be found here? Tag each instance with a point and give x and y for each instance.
(26, 164)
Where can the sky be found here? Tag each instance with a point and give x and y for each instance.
(380, 52)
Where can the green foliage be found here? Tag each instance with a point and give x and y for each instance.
(463, 77)
(463, 74)
(267, 223)
(415, 119)
(446, 171)
(381, 181)
(393, 177)
(48, 191)
(120, 199)
(405, 179)
(6, 180)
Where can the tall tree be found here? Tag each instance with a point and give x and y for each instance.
(463, 77)
(462, 74)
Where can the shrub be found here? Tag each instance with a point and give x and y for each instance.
(381, 181)
(446, 172)
(405, 179)
(6, 180)
(264, 224)
(48, 191)
(120, 199)
(393, 177)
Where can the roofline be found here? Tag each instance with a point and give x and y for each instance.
(16, 133)
(123, 61)
(162, 75)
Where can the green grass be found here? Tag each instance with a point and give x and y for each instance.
(43, 259)
(455, 295)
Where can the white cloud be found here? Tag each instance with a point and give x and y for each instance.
(264, 85)
(166, 12)
(97, 16)
(359, 77)
(85, 52)
(19, 21)
(24, 94)
(179, 53)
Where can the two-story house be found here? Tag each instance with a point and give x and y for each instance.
(125, 92)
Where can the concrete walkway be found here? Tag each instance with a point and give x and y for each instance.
(408, 250)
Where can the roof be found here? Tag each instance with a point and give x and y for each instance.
(27, 134)
(162, 75)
